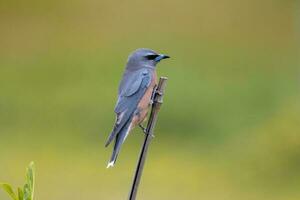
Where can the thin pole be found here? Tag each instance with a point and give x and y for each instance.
(157, 101)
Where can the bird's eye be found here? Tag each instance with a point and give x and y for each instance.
(151, 56)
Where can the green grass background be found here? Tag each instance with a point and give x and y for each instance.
(229, 127)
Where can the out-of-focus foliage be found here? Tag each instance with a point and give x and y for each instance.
(229, 126)
(27, 192)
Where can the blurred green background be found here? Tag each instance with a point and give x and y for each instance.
(230, 124)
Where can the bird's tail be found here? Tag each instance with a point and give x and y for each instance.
(120, 138)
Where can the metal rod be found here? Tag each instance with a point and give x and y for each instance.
(157, 101)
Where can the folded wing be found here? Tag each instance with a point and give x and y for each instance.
(132, 88)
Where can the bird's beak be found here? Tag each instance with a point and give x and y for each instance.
(161, 57)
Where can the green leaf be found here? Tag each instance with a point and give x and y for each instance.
(20, 194)
(30, 176)
(28, 190)
(7, 188)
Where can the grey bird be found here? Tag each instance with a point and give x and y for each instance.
(134, 96)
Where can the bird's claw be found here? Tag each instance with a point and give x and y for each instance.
(159, 92)
(151, 101)
(145, 130)
(153, 95)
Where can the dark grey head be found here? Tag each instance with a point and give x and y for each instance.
(144, 58)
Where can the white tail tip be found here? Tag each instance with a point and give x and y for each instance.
(110, 164)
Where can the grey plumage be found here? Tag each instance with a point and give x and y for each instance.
(135, 81)
(128, 99)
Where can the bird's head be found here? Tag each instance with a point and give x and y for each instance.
(144, 58)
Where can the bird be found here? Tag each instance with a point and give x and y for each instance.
(135, 95)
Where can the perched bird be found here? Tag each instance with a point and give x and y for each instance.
(134, 96)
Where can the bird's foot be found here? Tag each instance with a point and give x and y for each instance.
(145, 130)
(159, 92)
(153, 95)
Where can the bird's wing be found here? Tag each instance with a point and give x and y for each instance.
(132, 89)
